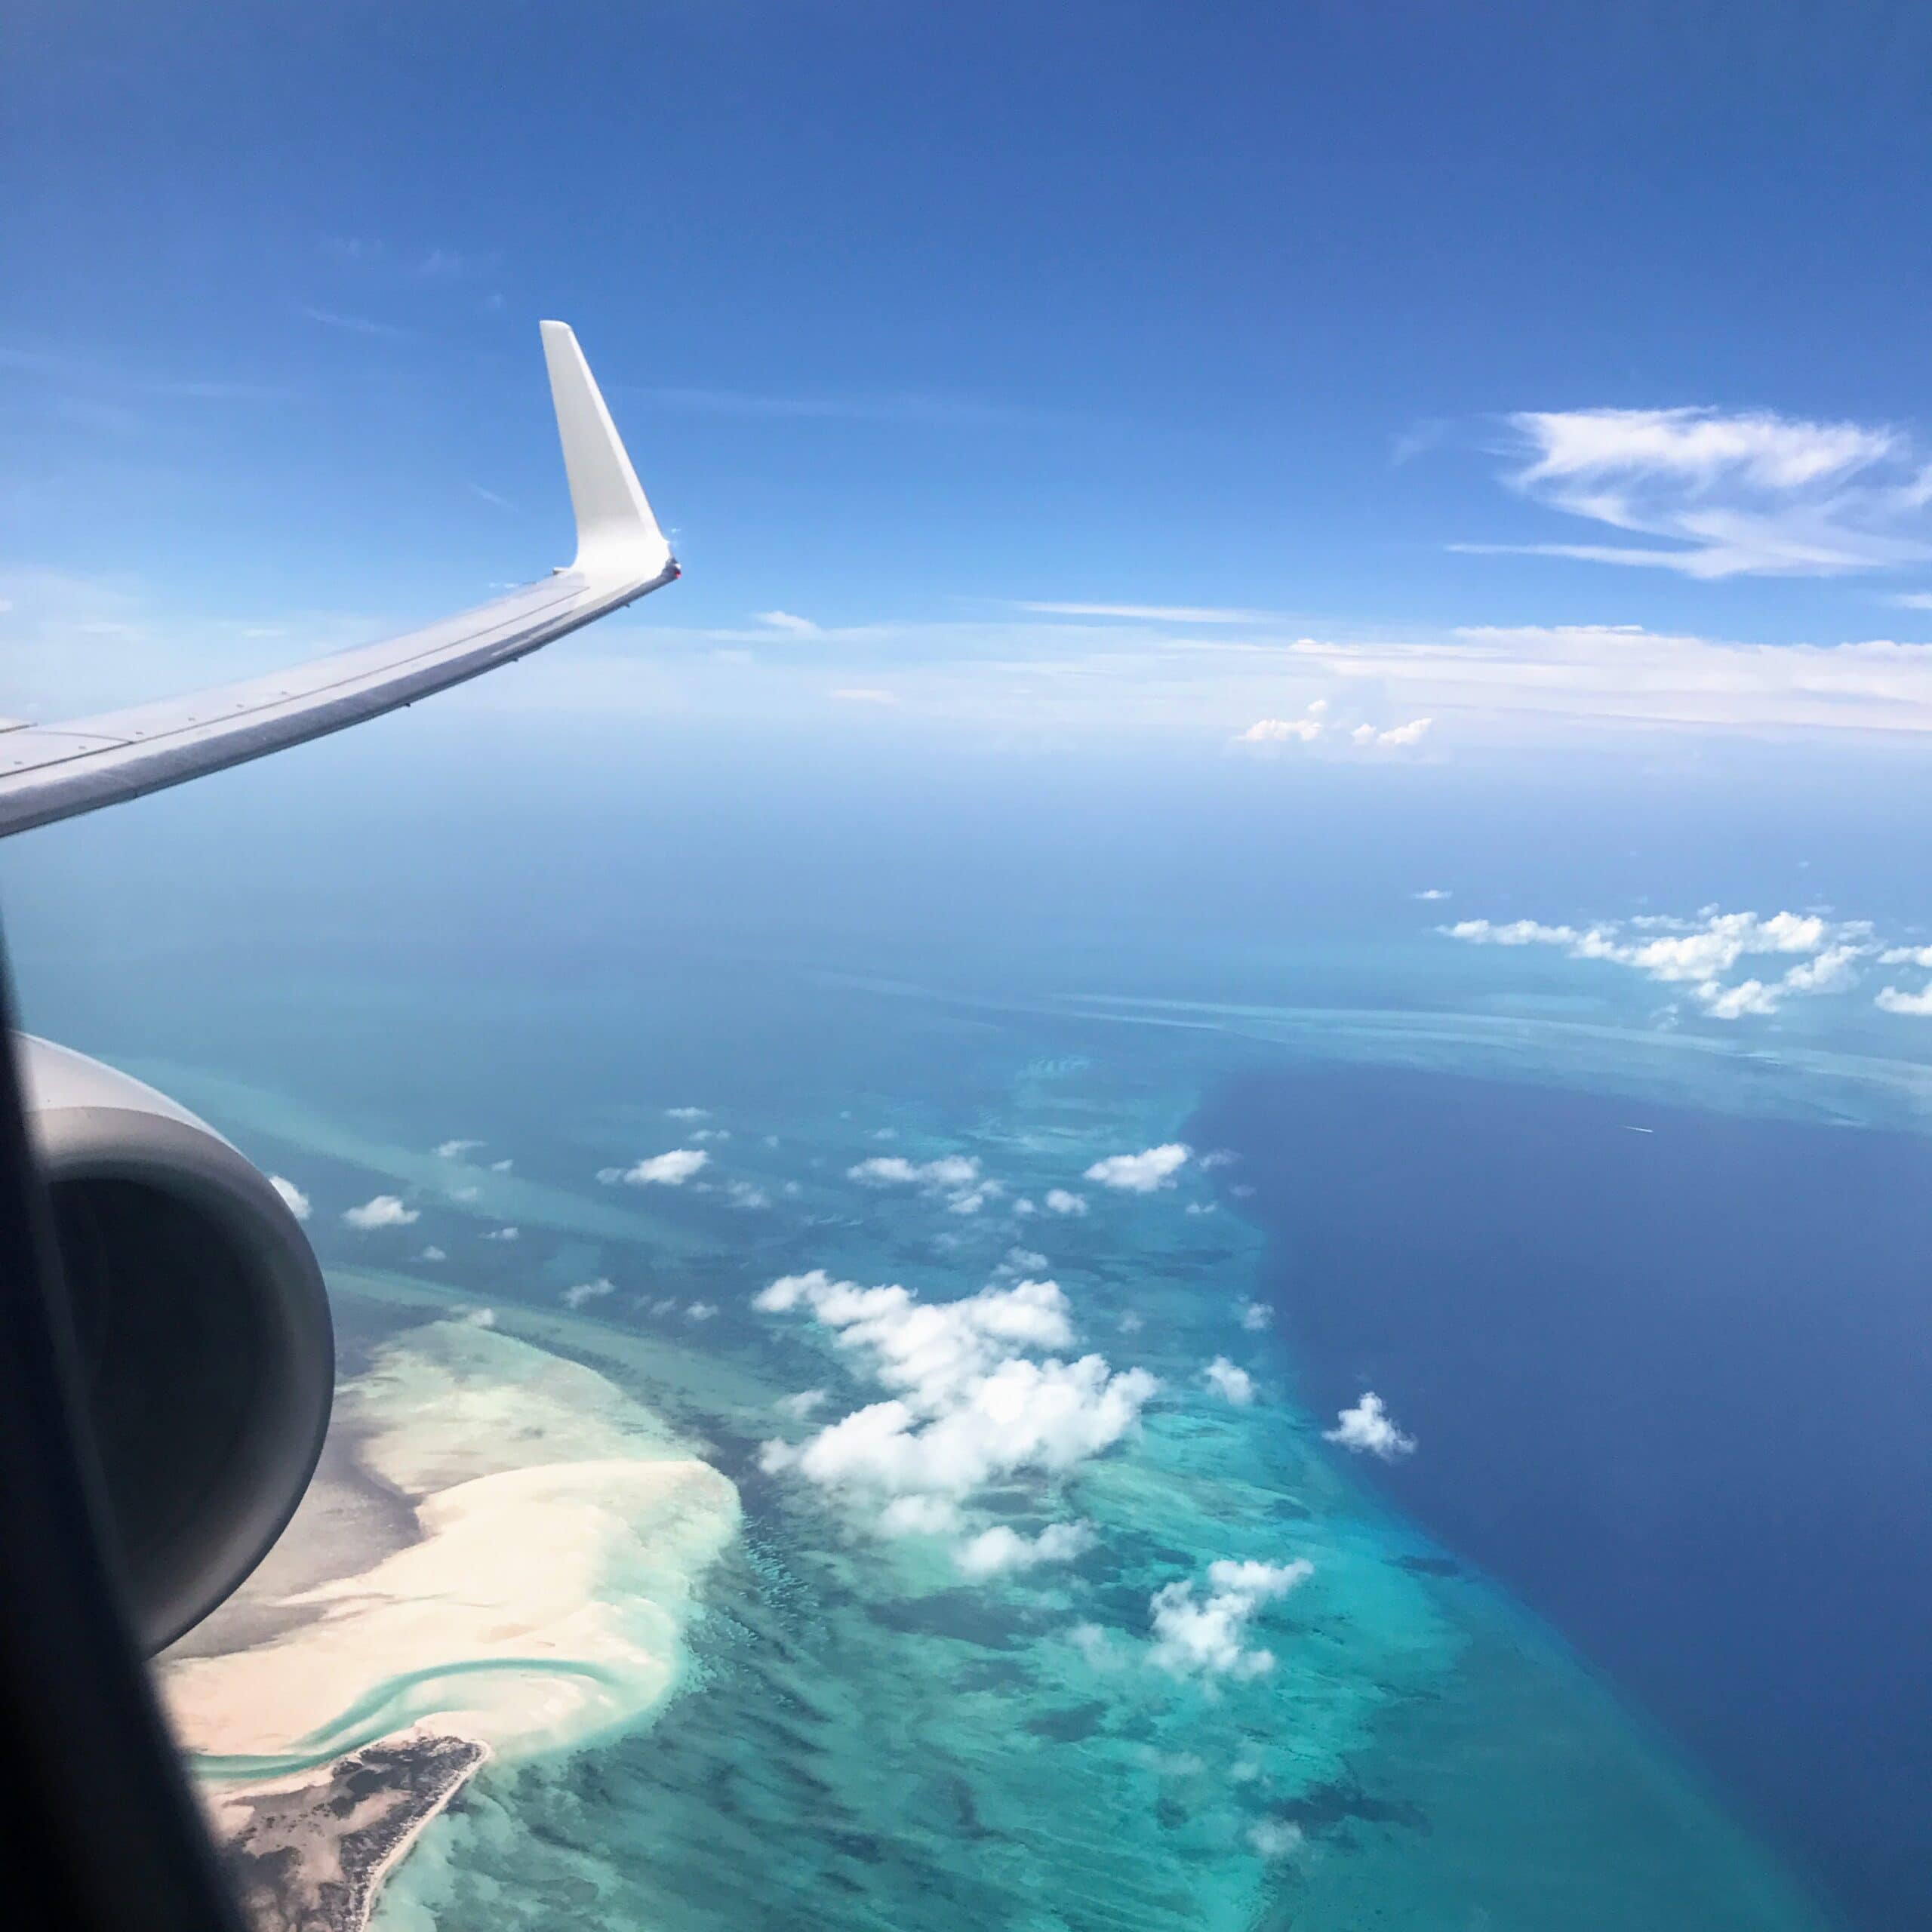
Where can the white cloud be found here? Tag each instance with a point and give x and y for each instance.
(918, 1515)
(501, 1167)
(686, 1113)
(1142, 1172)
(1906, 955)
(1699, 951)
(1397, 736)
(994, 1552)
(802, 1405)
(1256, 1316)
(1159, 613)
(784, 621)
(587, 1292)
(456, 1150)
(1894, 999)
(1430, 894)
(971, 1403)
(503, 1234)
(1368, 1429)
(1207, 1636)
(1058, 1201)
(956, 1176)
(1730, 494)
(293, 1199)
(701, 1311)
(671, 1169)
(1232, 1384)
(1275, 1838)
(712, 1133)
(432, 1253)
(744, 1194)
(384, 1211)
(895, 1171)
(1280, 730)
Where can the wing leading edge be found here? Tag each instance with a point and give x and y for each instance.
(57, 771)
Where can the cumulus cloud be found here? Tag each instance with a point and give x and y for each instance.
(918, 1515)
(1058, 1201)
(1281, 730)
(686, 1113)
(432, 1253)
(503, 1234)
(1256, 1316)
(802, 1405)
(1895, 999)
(700, 1311)
(994, 1552)
(972, 1401)
(1142, 1172)
(584, 1293)
(1206, 1635)
(457, 1150)
(1430, 893)
(385, 1211)
(671, 1169)
(293, 1199)
(745, 1194)
(1275, 1838)
(1395, 736)
(1699, 952)
(956, 1177)
(1368, 1429)
(1730, 494)
(1232, 1384)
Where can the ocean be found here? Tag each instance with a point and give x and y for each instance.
(1624, 1643)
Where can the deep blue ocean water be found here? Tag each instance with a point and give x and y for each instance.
(1672, 1385)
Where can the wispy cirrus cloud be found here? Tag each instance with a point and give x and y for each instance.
(1747, 494)
(365, 325)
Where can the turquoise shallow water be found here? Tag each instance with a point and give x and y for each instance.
(866, 1737)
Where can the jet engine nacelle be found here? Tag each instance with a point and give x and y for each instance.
(204, 1331)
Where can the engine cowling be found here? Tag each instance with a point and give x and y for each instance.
(205, 1341)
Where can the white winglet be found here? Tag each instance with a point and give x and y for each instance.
(616, 535)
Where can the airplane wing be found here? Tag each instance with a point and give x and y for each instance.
(56, 771)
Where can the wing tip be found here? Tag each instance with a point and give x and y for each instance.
(617, 533)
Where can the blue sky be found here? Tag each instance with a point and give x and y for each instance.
(1322, 316)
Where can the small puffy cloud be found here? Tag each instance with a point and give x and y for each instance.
(1906, 955)
(1206, 1635)
(785, 621)
(385, 1211)
(950, 1170)
(712, 1133)
(744, 1194)
(1256, 1316)
(1142, 1173)
(1282, 730)
(293, 1199)
(919, 1516)
(802, 1405)
(994, 1552)
(686, 1113)
(1275, 1838)
(1058, 1201)
(1232, 1384)
(501, 1167)
(700, 1311)
(1368, 1429)
(671, 1169)
(481, 1317)
(432, 1253)
(1430, 894)
(1895, 999)
(458, 1150)
(503, 1234)
(584, 1293)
